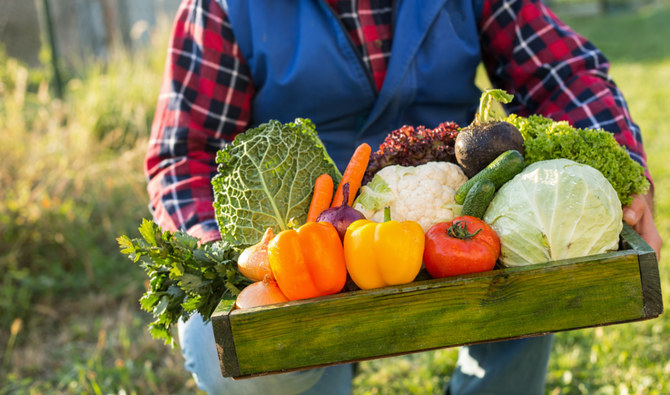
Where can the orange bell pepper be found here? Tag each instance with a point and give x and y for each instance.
(381, 254)
(309, 261)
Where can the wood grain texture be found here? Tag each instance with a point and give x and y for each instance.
(225, 345)
(604, 289)
(649, 275)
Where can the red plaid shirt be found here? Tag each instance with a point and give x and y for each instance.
(207, 90)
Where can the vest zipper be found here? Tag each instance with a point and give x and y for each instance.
(368, 73)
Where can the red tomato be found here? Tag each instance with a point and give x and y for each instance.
(464, 245)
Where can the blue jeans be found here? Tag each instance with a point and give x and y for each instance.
(506, 367)
(198, 347)
(510, 367)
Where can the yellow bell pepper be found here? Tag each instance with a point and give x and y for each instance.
(381, 254)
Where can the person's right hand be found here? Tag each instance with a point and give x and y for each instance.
(639, 215)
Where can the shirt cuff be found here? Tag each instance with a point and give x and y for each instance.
(205, 233)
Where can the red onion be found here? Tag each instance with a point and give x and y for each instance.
(342, 216)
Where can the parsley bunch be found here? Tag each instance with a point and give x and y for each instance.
(185, 277)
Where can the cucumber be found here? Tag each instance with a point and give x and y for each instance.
(502, 169)
(478, 198)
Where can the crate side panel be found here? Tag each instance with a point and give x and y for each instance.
(649, 274)
(651, 285)
(471, 309)
(225, 345)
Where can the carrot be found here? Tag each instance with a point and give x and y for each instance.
(353, 174)
(323, 193)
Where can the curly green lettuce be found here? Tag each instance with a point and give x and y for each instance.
(266, 179)
(546, 139)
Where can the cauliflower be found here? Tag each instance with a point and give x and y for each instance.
(423, 193)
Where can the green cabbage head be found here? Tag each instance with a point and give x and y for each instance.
(555, 209)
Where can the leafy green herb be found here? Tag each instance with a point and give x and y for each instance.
(184, 277)
(265, 179)
(486, 102)
(546, 139)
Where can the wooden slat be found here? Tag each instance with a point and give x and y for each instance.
(610, 288)
(437, 313)
(651, 286)
(225, 345)
(649, 275)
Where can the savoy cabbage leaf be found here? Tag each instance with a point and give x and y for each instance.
(266, 178)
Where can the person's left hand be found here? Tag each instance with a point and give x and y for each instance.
(639, 215)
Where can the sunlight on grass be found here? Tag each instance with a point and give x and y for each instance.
(72, 182)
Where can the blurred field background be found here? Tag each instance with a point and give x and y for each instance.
(71, 182)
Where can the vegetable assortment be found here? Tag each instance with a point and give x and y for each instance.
(293, 227)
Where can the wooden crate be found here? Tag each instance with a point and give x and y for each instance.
(611, 288)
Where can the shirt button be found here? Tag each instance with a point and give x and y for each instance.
(377, 43)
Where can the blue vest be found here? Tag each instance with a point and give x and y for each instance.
(304, 64)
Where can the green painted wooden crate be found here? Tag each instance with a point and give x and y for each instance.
(616, 287)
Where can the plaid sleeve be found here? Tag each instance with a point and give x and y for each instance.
(527, 50)
(204, 102)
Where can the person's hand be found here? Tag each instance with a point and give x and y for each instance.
(639, 215)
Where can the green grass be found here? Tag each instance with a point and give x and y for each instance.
(72, 182)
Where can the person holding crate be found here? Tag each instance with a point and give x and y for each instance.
(359, 69)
